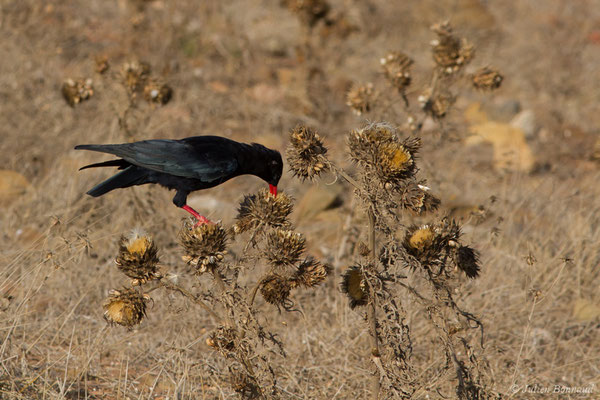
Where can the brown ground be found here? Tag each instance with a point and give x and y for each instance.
(250, 70)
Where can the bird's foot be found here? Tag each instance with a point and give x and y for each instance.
(201, 219)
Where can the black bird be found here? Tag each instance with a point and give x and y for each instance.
(186, 165)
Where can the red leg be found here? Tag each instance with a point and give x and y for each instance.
(201, 219)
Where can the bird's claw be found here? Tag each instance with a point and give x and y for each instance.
(203, 220)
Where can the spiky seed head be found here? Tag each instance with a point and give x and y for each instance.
(157, 92)
(284, 247)
(306, 153)
(263, 209)
(361, 98)
(439, 243)
(449, 52)
(487, 78)
(222, 339)
(467, 260)
(364, 143)
(76, 91)
(354, 285)
(379, 151)
(205, 245)
(125, 307)
(379, 132)
(310, 273)
(134, 76)
(417, 198)
(438, 105)
(138, 257)
(275, 289)
(396, 67)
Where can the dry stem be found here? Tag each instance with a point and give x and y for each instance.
(371, 313)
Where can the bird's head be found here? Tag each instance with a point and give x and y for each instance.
(270, 167)
(275, 167)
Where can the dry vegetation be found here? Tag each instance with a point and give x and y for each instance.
(436, 235)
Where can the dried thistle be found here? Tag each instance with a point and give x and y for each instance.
(156, 92)
(438, 105)
(275, 289)
(370, 135)
(426, 243)
(306, 153)
(487, 78)
(134, 76)
(222, 339)
(310, 273)
(284, 247)
(395, 161)
(204, 245)
(437, 244)
(125, 307)
(354, 285)
(449, 52)
(74, 92)
(309, 11)
(361, 98)
(467, 260)
(417, 198)
(421, 238)
(138, 257)
(263, 209)
(396, 67)
(377, 148)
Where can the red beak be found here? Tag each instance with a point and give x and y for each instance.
(273, 189)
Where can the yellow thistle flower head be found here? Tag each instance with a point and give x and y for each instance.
(125, 307)
(354, 285)
(138, 257)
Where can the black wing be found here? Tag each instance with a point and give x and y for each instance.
(206, 161)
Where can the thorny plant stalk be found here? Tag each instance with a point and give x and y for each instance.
(387, 186)
(372, 312)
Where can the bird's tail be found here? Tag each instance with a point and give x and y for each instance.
(130, 176)
(112, 163)
(102, 148)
